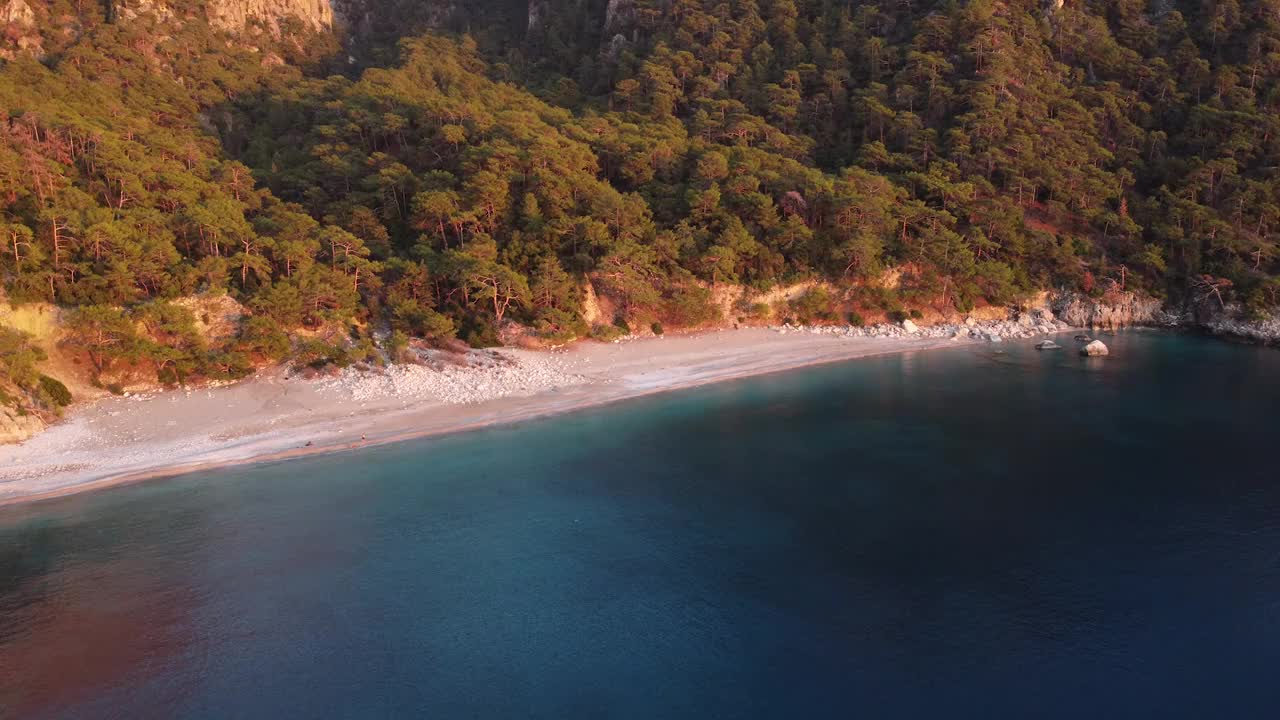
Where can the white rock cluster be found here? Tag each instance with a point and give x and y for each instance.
(1263, 330)
(1028, 325)
(453, 385)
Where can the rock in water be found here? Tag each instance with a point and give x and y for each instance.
(1084, 338)
(1094, 349)
(909, 326)
(1048, 345)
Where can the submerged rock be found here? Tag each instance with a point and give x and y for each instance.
(1048, 345)
(1095, 349)
(1084, 338)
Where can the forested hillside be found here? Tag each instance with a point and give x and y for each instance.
(445, 184)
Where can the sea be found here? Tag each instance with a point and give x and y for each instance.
(976, 532)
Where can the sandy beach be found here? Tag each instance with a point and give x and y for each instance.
(272, 416)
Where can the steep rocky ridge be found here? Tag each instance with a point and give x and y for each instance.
(41, 27)
(233, 15)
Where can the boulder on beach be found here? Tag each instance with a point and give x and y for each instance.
(1048, 345)
(1094, 349)
(909, 326)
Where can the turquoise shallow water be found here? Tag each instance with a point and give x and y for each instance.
(957, 533)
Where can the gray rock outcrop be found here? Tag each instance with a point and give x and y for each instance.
(1115, 310)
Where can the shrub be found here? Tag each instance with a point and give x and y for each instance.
(815, 304)
(398, 347)
(690, 306)
(916, 314)
(620, 322)
(228, 364)
(364, 351)
(606, 333)
(477, 331)
(318, 353)
(855, 319)
(656, 328)
(558, 325)
(18, 357)
(897, 315)
(414, 318)
(262, 336)
(168, 376)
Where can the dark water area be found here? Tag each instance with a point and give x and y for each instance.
(963, 533)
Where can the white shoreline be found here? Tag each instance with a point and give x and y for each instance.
(269, 417)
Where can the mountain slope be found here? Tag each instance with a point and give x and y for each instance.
(908, 156)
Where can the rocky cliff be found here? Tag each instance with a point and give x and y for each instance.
(619, 16)
(44, 27)
(40, 27)
(234, 15)
(1115, 310)
(237, 14)
(1231, 321)
(19, 29)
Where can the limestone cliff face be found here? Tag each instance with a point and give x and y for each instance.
(19, 29)
(237, 14)
(17, 13)
(36, 26)
(619, 15)
(1119, 310)
(538, 11)
(234, 15)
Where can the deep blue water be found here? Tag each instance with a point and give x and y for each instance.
(955, 534)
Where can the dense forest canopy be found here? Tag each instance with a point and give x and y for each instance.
(446, 183)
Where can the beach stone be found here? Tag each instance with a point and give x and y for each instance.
(1048, 345)
(909, 326)
(1095, 349)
